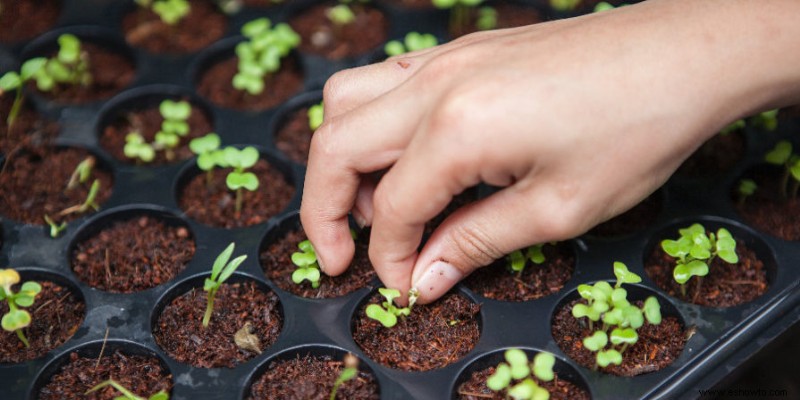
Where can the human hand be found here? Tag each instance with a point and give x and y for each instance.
(576, 119)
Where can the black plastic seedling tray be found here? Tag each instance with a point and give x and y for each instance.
(725, 338)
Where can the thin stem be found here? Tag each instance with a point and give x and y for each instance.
(785, 183)
(209, 307)
(209, 179)
(697, 288)
(683, 290)
(15, 108)
(795, 187)
(22, 337)
(238, 202)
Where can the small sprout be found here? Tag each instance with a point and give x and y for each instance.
(782, 155)
(307, 267)
(137, 148)
(564, 5)
(695, 250)
(16, 319)
(767, 120)
(208, 155)
(596, 341)
(746, 188)
(174, 126)
(127, 394)
(340, 14)
(260, 55)
(517, 368)
(69, 66)
(16, 82)
(315, 116)
(246, 340)
(82, 173)
(240, 178)
(220, 272)
(652, 310)
(170, 11)
(413, 41)
(608, 357)
(387, 313)
(487, 18)
(623, 275)
(517, 261)
(349, 372)
(733, 127)
(459, 13)
(89, 203)
(55, 228)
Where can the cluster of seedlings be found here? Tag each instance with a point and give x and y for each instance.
(127, 394)
(517, 377)
(413, 41)
(16, 319)
(174, 127)
(260, 55)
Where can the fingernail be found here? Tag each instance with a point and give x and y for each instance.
(437, 280)
(359, 218)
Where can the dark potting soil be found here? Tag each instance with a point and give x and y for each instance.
(509, 15)
(217, 206)
(636, 219)
(311, 378)
(496, 281)
(203, 25)
(148, 122)
(322, 37)
(215, 85)
(657, 347)
(767, 210)
(33, 183)
(277, 263)
(142, 375)
(133, 254)
(411, 4)
(29, 128)
(717, 155)
(475, 388)
(111, 72)
(56, 313)
(725, 285)
(294, 136)
(180, 332)
(261, 3)
(24, 19)
(432, 336)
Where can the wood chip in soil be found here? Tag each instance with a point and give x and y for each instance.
(276, 260)
(57, 314)
(294, 136)
(180, 332)
(27, 19)
(215, 85)
(132, 254)
(321, 37)
(433, 336)
(766, 210)
(497, 282)
(475, 388)
(205, 24)
(658, 345)
(216, 206)
(141, 375)
(725, 285)
(311, 378)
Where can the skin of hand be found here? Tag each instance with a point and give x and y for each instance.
(577, 120)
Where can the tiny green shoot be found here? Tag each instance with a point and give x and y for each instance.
(261, 53)
(564, 5)
(733, 127)
(782, 155)
(137, 148)
(127, 394)
(170, 11)
(767, 120)
(316, 114)
(487, 18)
(221, 270)
(517, 260)
(413, 41)
(518, 377)
(174, 126)
(15, 81)
(82, 173)
(240, 178)
(386, 313)
(208, 153)
(605, 6)
(16, 319)
(349, 372)
(307, 267)
(745, 189)
(70, 65)
(55, 227)
(340, 15)
(89, 203)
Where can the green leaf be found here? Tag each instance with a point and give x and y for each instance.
(394, 48)
(613, 317)
(310, 274)
(256, 27)
(316, 114)
(230, 268)
(623, 275)
(608, 357)
(585, 291)
(306, 247)
(206, 161)
(633, 317)
(303, 260)
(672, 248)
(389, 294)
(30, 288)
(516, 261)
(602, 291)
(247, 180)
(444, 3)
(779, 154)
(527, 389)
(623, 335)
(596, 341)
(652, 310)
(175, 110)
(161, 395)
(340, 14)
(221, 260)
(603, 6)
(69, 48)
(535, 254)
(167, 139)
(487, 18)
(580, 310)
(10, 81)
(31, 67)
(248, 157)
(205, 144)
(518, 361)
(500, 379)
(543, 363)
(599, 306)
(16, 319)
(209, 284)
(683, 272)
(619, 295)
(377, 313)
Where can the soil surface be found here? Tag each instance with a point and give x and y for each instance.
(294, 136)
(33, 183)
(725, 285)
(262, 3)
(411, 4)
(475, 388)
(204, 25)
(509, 15)
(111, 72)
(636, 219)
(215, 85)
(322, 37)
(432, 336)
(142, 375)
(767, 210)
(133, 254)
(24, 19)
(180, 332)
(217, 206)
(277, 263)
(311, 378)
(148, 122)
(497, 282)
(28, 129)
(57, 314)
(657, 347)
(716, 156)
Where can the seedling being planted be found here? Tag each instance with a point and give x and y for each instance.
(694, 251)
(316, 113)
(517, 260)
(306, 262)
(260, 55)
(220, 272)
(349, 372)
(386, 313)
(620, 319)
(518, 377)
(208, 154)
(782, 155)
(240, 178)
(413, 41)
(127, 394)
(16, 319)
(170, 11)
(16, 81)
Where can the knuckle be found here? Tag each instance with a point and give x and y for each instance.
(323, 142)
(335, 89)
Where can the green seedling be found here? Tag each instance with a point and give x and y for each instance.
(127, 394)
(564, 5)
(174, 126)
(16, 81)
(340, 15)
(460, 11)
(137, 148)
(746, 188)
(89, 203)
(782, 155)
(487, 18)
(69, 66)
(694, 251)
(220, 272)
(208, 154)
(605, 6)
(170, 11)
(16, 319)
(316, 113)
(349, 372)
(413, 41)
(733, 127)
(387, 312)
(260, 55)
(517, 370)
(767, 120)
(620, 319)
(307, 267)
(82, 173)
(517, 260)
(240, 178)
(55, 227)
